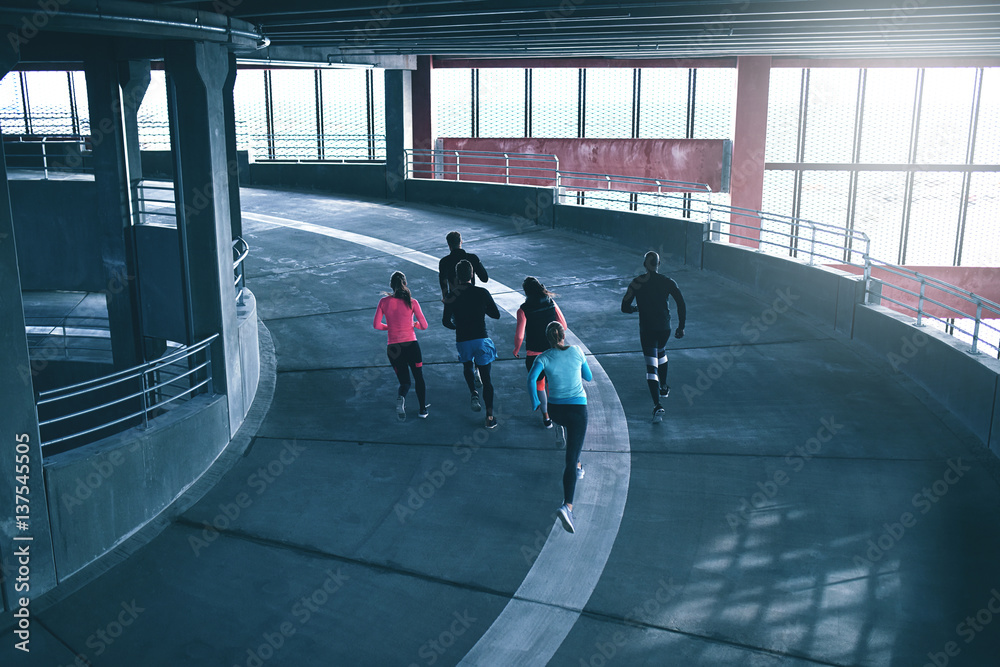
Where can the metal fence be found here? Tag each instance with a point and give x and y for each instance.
(73, 416)
(955, 311)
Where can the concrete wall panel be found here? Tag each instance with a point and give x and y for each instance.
(813, 289)
(54, 222)
(678, 241)
(101, 493)
(359, 180)
(965, 384)
(525, 205)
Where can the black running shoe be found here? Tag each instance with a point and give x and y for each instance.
(664, 391)
(658, 413)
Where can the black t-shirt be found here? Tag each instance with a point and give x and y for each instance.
(466, 312)
(651, 291)
(446, 270)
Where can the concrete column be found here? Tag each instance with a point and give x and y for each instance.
(398, 129)
(19, 440)
(423, 120)
(234, 182)
(134, 78)
(197, 74)
(111, 173)
(750, 136)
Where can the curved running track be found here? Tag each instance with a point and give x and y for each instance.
(549, 601)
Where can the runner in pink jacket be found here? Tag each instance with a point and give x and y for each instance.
(399, 314)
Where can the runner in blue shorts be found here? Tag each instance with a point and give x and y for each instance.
(466, 314)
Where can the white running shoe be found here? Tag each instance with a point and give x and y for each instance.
(658, 413)
(580, 473)
(400, 408)
(566, 516)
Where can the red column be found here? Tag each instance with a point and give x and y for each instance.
(423, 127)
(750, 136)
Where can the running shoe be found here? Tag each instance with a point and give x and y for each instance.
(664, 391)
(580, 473)
(561, 436)
(476, 405)
(423, 411)
(491, 422)
(475, 377)
(658, 413)
(400, 408)
(566, 516)
(547, 423)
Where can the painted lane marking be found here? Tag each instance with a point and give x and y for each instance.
(547, 604)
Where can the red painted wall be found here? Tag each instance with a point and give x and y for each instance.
(690, 160)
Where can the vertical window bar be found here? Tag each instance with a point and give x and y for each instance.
(74, 112)
(852, 195)
(689, 130)
(527, 102)
(370, 103)
(24, 102)
(581, 107)
(692, 84)
(911, 159)
(636, 88)
(475, 103)
(800, 151)
(320, 141)
(970, 155)
(268, 115)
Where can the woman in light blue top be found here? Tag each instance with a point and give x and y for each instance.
(565, 368)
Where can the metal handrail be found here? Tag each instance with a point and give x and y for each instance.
(46, 140)
(239, 270)
(980, 303)
(436, 167)
(128, 373)
(847, 249)
(147, 393)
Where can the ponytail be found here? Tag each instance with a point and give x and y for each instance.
(399, 289)
(556, 335)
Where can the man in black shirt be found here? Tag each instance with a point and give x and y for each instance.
(446, 267)
(650, 292)
(466, 313)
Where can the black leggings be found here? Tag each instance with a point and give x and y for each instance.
(406, 358)
(574, 418)
(484, 375)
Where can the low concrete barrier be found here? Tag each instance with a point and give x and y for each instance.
(675, 239)
(523, 204)
(100, 494)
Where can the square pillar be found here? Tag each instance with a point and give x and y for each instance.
(749, 140)
(111, 173)
(20, 449)
(398, 130)
(197, 75)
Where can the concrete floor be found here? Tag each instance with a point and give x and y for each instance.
(775, 517)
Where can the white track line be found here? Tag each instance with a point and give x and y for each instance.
(548, 602)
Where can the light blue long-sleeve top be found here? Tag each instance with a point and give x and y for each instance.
(565, 371)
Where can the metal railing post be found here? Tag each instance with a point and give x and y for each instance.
(975, 332)
(920, 301)
(868, 276)
(45, 160)
(458, 166)
(145, 400)
(812, 245)
(506, 168)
